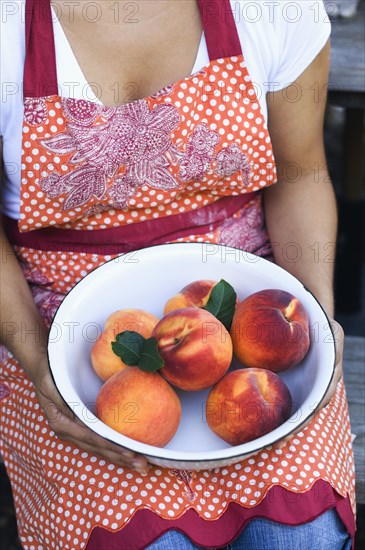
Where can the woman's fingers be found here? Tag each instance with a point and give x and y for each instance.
(80, 435)
(338, 372)
(67, 426)
(339, 338)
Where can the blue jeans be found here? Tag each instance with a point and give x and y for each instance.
(326, 532)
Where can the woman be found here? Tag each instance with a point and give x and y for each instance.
(98, 175)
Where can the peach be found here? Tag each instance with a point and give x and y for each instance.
(139, 405)
(195, 294)
(196, 348)
(103, 359)
(270, 330)
(246, 404)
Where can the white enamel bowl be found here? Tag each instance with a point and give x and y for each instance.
(146, 279)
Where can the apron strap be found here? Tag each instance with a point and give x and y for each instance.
(40, 73)
(220, 29)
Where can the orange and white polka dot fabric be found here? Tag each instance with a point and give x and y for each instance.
(61, 493)
(88, 167)
(85, 166)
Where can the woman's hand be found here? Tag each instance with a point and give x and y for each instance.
(17, 304)
(338, 336)
(69, 428)
(300, 209)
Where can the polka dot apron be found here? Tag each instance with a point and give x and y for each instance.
(185, 156)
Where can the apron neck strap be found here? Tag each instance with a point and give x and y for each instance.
(220, 29)
(40, 74)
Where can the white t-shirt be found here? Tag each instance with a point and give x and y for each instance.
(279, 38)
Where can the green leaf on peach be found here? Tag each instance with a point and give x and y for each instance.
(150, 360)
(222, 303)
(128, 346)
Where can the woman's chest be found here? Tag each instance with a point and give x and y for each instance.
(130, 54)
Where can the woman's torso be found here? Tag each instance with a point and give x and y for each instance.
(273, 51)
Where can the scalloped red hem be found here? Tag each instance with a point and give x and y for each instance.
(290, 509)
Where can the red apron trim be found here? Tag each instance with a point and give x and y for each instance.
(218, 21)
(279, 505)
(40, 74)
(118, 240)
